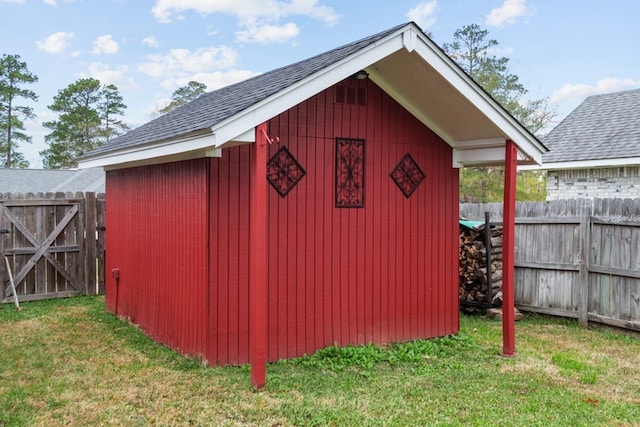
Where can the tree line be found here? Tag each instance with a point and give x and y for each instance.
(90, 114)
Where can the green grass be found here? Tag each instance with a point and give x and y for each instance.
(68, 362)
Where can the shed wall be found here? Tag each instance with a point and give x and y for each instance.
(228, 341)
(156, 220)
(381, 273)
(384, 272)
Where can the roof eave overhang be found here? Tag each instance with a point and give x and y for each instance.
(239, 128)
(195, 145)
(466, 152)
(227, 130)
(487, 152)
(477, 152)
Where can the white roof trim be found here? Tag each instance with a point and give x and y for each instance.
(484, 152)
(260, 112)
(585, 164)
(409, 40)
(169, 149)
(238, 129)
(462, 82)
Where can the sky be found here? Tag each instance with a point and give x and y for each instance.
(563, 50)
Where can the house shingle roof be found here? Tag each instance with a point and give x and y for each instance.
(602, 127)
(51, 181)
(214, 107)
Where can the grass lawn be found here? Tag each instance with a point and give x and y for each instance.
(68, 362)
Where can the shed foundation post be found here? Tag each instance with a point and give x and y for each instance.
(508, 264)
(258, 259)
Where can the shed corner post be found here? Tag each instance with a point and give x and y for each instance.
(258, 259)
(508, 278)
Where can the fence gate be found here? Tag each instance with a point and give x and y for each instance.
(45, 242)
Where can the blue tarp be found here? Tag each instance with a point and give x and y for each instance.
(471, 224)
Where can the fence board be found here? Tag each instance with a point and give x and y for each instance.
(576, 258)
(100, 252)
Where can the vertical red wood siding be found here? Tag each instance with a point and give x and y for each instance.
(386, 272)
(157, 231)
(228, 339)
(179, 234)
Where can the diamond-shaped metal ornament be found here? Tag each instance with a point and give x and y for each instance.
(407, 175)
(284, 172)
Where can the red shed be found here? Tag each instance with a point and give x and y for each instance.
(311, 205)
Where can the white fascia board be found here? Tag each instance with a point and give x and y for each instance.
(484, 152)
(478, 156)
(247, 137)
(491, 150)
(586, 164)
(245, 121)
(479, 143)
(469, 89)
(201, 145)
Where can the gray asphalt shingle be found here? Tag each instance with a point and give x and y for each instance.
(602, 127)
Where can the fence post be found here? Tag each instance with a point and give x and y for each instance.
(90, 246)
(584, 255)
(100, 248)
(3, 236)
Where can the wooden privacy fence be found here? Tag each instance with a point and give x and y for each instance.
(54, 244)
(576, 258)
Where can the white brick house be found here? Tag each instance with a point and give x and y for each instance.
(595, 150)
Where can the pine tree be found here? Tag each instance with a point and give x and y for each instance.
(184, 94)
(88, 118)
(13, 75)
(473, 52)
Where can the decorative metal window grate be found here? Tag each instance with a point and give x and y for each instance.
(407, 175)
(284, 172)
(349, 173)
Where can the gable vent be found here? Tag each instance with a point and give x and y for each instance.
(351, 95)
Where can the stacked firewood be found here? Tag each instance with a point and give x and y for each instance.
(475, 266)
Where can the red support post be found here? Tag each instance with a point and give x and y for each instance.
(258, 259)
(508, 247)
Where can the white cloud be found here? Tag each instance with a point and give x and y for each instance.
(50, 2)
(105, 45)
(183, 61)
(244, 10)
(150, 41)
(423, 14)
(268, 33)
(118, 76)
(259, 20)
(507, 14)
(12, 1)
(56, 42)
(572, 92)
(309, 8)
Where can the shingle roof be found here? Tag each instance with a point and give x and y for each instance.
(51, 181)
(402, 61)
(214, 107)
(602, 127)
